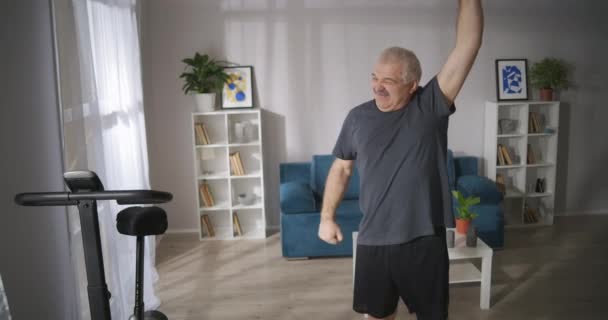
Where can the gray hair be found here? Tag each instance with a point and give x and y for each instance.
(407, 58)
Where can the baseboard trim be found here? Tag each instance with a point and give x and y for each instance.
(580, 213)
(180, 231)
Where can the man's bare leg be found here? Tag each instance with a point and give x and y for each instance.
(391, 317)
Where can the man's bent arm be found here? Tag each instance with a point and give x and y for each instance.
(337, 182)
(469, 32)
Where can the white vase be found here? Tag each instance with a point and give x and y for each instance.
(205, 102)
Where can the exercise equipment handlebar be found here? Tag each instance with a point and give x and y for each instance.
(70, 198)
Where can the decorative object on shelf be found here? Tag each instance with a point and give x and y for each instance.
(472, 237)
(238, 231)
(450, 238)
(507, 126)
(237, 92)
(548, 75)
(242, 131)
(465, 215)
(204, 77)
(246, 199)
(511, 79)
(206, 221)
(540, 185)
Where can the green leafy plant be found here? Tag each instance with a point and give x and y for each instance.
(203, 74)
(550, 73)
(464, 204)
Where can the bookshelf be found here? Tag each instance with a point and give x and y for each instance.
(520, 154)
(229, 175)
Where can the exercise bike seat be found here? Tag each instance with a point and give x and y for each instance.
(141, 221)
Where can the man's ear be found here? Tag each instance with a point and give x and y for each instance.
(414, 87)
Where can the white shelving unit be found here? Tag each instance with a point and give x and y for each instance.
(521, 177)
(212, 166)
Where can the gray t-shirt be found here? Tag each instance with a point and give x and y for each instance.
(401, 159)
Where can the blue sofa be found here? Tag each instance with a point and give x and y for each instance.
(301, 191)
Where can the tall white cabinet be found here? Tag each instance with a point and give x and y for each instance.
(529, 182)
(213, 167)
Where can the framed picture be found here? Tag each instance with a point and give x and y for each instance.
(238, 90)
(511, 79)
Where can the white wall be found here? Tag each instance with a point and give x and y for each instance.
(34, 254)
(312, 61)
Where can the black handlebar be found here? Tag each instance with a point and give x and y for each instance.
(69, 198)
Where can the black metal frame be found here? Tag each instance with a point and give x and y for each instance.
(97, 288)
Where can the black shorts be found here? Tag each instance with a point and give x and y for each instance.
(416, 271)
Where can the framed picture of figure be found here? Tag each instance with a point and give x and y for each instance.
(238, 89)
(511, 79)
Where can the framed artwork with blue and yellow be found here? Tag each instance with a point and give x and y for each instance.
(238, 89)
(511, 79)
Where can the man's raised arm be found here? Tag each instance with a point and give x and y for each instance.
(469, 31)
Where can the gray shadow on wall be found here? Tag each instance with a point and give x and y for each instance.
(563, 150)
(275, 151)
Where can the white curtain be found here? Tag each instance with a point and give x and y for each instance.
(113, 123)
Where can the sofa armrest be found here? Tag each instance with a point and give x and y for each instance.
(478, 186)
(294, 171)
(296, 197)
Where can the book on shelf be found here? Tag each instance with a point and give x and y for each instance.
(206, 222)
(534, 125)
(237, 225)
(233, 166)
(530, 215)
(531, 157)
(500, 183)
(501, 158)
(506, 158)
(237, 164)
(202, 137)
(206, 195)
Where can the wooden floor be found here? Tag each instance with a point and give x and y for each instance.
(558, 272)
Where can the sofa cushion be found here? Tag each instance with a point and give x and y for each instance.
(348, 207)
(481, 187)
(297, 197)
(320, 169)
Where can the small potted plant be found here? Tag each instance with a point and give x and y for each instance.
(548, 75)
(204, 77)
(465, 215)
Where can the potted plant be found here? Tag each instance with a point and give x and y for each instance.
(549, 74)
(204, 77)
(465, 215)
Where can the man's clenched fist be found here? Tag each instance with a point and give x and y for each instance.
(329, 231)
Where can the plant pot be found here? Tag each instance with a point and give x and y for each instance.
(546, 94)
(462, 226)
(205, 102)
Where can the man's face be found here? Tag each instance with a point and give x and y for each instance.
(391, 92)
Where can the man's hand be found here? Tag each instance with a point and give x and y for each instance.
(329, 231)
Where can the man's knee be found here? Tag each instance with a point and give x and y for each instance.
(391, 317)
